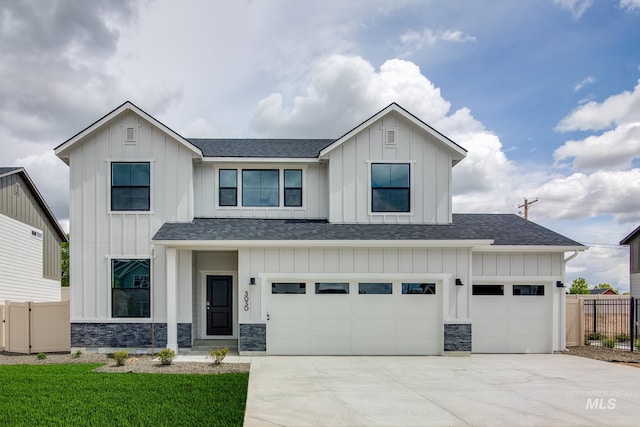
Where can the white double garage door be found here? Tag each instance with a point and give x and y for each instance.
(354, 318)
(399, 318)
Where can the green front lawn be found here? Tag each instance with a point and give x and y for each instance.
(72, 395)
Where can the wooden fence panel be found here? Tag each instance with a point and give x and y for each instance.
(575, 324)
(17, 327)
(50, 327)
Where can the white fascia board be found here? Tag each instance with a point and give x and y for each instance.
(62, 150)
(260, 160)
(528, 248)
(211, 244)
(405, 114)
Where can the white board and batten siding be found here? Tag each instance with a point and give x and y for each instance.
(349, 174)
(98, 235)
(315, 195)
(352, 323)
(511, 323)
(21, 272)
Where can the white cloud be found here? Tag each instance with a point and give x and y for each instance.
(630, 5)
(589, 80)
(576, 7)
(601, 265)
(414, 41)
(617, 109)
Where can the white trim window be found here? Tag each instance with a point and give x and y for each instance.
(390, 187)
(260, 187)
(131, 288)
(130, 186)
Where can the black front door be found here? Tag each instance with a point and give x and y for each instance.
(219, 305)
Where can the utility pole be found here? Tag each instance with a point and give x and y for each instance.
(526, 205)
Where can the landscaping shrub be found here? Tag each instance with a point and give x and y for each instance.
(41, 356)
(166, 356)
(595, 336)
(609, 342)
(622, 337)
(218, 354)
(120, 357)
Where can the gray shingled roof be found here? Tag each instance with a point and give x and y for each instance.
(504, 229)
(6, 170)
(273, 148)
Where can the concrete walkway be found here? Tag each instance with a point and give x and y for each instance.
(481, 390)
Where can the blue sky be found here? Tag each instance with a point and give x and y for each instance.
(543, 93)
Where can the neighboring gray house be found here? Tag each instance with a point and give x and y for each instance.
(299, 246)
(31, 237)
(633, 241)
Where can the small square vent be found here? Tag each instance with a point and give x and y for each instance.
(130, 134)
(390, 136)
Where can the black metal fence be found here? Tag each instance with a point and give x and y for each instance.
(612, 323)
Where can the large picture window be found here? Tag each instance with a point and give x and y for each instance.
(260, 187)
(293, 187)
(228, 187)
(130, 288)
(390, 187)
(130, 190)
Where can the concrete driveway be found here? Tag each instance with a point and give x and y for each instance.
(481, 390)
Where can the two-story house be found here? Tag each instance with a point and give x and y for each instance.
(30, 266)
(299, 246)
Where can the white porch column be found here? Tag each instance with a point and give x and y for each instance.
(172, 298)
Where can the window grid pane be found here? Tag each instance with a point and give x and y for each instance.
(130, 288)
(228, 187)
(375, 288)
(419, 288)
(293, 187)
(260, 187)
(390, 187)
(332, 288)
(288, 288)
(130, 186)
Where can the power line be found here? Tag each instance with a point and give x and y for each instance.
(526, 206)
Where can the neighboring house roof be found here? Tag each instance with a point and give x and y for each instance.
(62, 150)
(6, 171)
(459, 153)
(602, 292)
(627, 240)
(502, 229)
(261, 148)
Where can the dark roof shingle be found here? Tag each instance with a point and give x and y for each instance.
(504, 229)
(266, 148)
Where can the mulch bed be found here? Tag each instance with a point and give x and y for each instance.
(606, 354)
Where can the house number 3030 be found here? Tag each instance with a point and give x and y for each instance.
(246, 300)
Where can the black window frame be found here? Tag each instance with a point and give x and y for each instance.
(430, 288)
(488, 290)
(222, 188)
(287, 290)
(539, 290)
(137, 291)
(289, 189)
(372, 285)
(332, 288)
(387, 190)
(245, 204)
(116, 188)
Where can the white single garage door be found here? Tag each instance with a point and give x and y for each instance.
(365, 318)
(511, 318)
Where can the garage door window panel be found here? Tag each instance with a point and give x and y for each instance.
(528, 290)
(419, 288)
(332, 288)
(495, 290)
(288, 288)
(375, 288)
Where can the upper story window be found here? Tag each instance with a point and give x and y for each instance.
(390, 187)
(293, 187)
(228, 187)
(260, 187)
(130, 186)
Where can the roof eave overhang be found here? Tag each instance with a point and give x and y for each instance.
(528, 248)
(458, 152)
(63, 150)
(261, 160)
(194, 244)
(627, 240)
